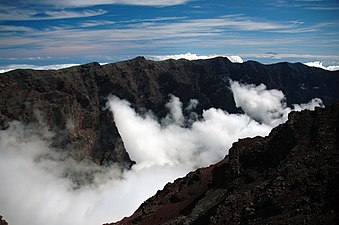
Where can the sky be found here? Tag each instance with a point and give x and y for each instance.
(46, 32)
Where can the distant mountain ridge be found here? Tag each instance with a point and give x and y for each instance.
(71, 101)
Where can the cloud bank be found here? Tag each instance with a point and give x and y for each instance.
(319, 64)
(40, 184)
(190, 56)
(4, 69)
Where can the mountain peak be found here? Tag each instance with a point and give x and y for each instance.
(139, 58)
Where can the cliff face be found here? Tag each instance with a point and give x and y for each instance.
(70, 102)
(289, 177)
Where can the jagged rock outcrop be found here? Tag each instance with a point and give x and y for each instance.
(71, 102)
(288, 177)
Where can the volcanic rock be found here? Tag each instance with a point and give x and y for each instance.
(288, 177)
(71, 102)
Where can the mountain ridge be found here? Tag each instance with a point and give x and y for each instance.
(71, 101)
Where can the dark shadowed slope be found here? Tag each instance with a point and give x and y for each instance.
(289, 177)
(71, 102)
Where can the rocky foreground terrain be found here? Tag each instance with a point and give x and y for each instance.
(288, 177)
(71, 102)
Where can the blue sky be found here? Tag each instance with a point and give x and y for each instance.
(43, 32)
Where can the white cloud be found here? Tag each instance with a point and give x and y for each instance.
(95, 23)
(290, 56)
(183, 32)
(82, 3)
(235, 58)
(15, 13)
(175, 116)
(266, 106)
(201, 143)
(307, 4)
(69, 14)
(192, 105)
(315, 102)
(77, 3)
(39, 183)
(262, 105)
(7, 68)
(190, 56)
(319, 64)
(15, 28)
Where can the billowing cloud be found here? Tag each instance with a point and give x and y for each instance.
(176, 115)
(40, 184)
(203, 142)
(319, 64)
(191, 56)
(315, 102)
(266, 106)
(235, 58)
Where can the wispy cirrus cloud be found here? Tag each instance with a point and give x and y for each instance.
(328, 62)
(20, 14)
(278, 56)
(156, 28)
(127, 28)
(81, 38)
(307, 4)
(11, 28)
(86, 3)
(95, 23)
(148, 34)
(323, 8)
(122, 2)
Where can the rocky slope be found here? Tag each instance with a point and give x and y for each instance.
(288, 177)
(70, 102)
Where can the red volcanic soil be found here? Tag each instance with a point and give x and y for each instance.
(176, 198)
